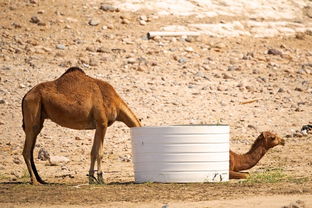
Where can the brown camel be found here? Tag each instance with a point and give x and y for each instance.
(75, 101)
(265, 141)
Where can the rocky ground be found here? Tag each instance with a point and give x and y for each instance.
(252, 84)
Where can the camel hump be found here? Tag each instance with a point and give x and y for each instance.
(73, 69)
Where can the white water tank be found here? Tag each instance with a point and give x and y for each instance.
(181, 154)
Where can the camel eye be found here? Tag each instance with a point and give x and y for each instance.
(272, 138)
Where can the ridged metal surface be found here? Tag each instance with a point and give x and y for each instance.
(181, 154)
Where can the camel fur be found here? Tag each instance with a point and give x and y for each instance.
(75, 101)
(238, 162)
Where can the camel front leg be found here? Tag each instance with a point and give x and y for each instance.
(97, 154)
(238, 175)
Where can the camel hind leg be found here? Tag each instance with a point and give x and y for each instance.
(33, 124)
(238, 175)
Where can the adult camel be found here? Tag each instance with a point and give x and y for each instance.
(238, 162)
(75, 101)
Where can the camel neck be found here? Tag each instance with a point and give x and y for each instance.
(252, 157)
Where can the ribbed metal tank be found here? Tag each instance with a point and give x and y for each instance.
(181, 154)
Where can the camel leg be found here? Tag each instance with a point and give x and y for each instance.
(33, 125)
(97, 154)
(238, 175)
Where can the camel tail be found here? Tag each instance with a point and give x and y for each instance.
(128, 117)
(23, 125)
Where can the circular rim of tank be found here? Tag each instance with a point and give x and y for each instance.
(183, 129)
(182, 125)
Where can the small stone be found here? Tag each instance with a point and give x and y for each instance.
(42, 24)
(22, 86)
(33, 1)
(182, 60)
(143, 17)
(47, 49)
(200, 74)
(17, 160)
(16, 25)
(226, 76)
(220, 45)
(274, 52)
(142, 22)
(131, 60)
(103, 50)
(77, 138)
(281, 90)
(308, 11)
(110, 27)
(300, 36)
(93, 61)
(190, 39)
(108, 8)
(221, 88)
(222, 103)
(308, 32)
(298, 89)
(58, 160)
(304, 132)
(125, 158)
(34, 19)
(286, 56)
(234, 61)
(232, 68)
(141, 68)
(43, 154)
(60, 46)
(189, 49)
(2, 101)
(91, 49)
(125, 21)
(7, 68)
(94, 22)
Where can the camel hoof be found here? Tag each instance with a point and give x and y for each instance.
(37, 183)
(92, 179)
(100, 178)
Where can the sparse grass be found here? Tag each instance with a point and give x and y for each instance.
(3, 177)
(274, 176)
(25, 176)
(270, 176)
(298, 180)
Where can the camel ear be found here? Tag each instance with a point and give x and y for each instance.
(264, 134)
(268, 135)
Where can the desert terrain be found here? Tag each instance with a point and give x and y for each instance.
(250, 67)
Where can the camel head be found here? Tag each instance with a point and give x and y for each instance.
(271, 140)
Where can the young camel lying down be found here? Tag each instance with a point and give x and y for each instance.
(265, 141)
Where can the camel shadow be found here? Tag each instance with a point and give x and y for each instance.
(121, 183)
(26, 183)
(13, 183)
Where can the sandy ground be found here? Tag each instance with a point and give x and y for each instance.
(166, 81)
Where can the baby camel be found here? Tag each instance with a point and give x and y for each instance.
(75, 101)
(265, 141)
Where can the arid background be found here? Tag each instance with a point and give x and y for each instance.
(248, 51)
